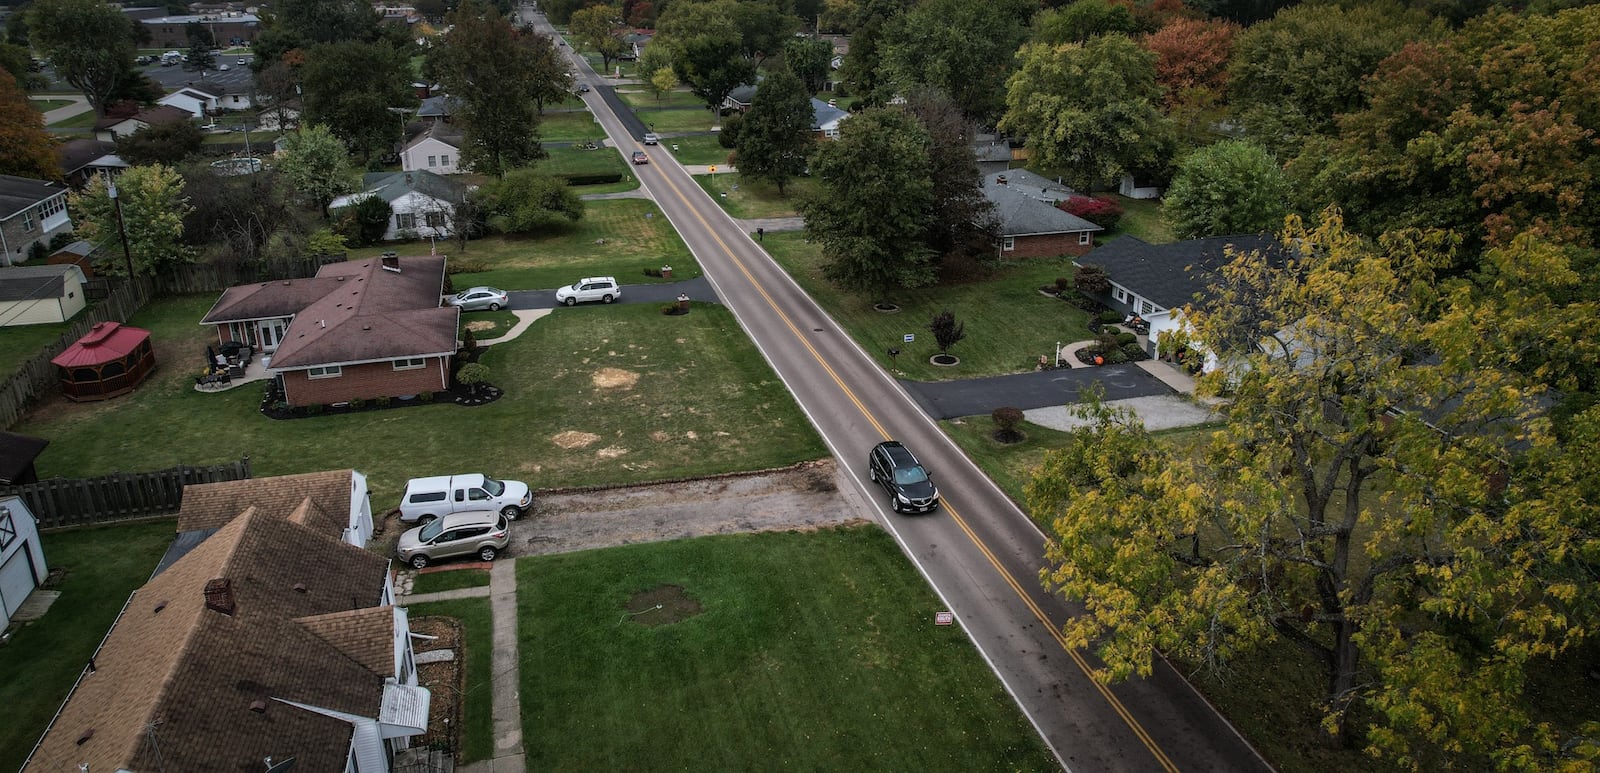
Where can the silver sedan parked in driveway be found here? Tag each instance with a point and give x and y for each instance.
(479, 299)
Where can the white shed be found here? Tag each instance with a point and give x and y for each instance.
(34, 295)
(22, 566)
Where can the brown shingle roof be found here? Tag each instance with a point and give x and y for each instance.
(211, 505)
(373, 315)
(365, 635)
(184, 676)
(267, 300)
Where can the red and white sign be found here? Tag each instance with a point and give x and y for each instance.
(943, 618)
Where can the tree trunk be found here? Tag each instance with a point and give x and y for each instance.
(1341, 683)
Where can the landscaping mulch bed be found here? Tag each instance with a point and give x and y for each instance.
(445, 680)
(273, 408)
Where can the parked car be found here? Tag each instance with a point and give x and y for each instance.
(481, 534)
(595, 288)
(243, 60)
(479, 298)
(428, 498)
(583, 88)
(909, 486)
(640, 158)
(651, 138)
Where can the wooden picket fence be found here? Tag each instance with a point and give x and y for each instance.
(62, 502)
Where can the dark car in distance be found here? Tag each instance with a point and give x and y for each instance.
(908, 484)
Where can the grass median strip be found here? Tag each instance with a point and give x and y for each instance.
(810, 651)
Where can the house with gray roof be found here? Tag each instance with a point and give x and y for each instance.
(358, 330)
(1031, 225)
(36, 295)
(1156, 281)
(825, 117)
(421, 203)
(438, 109)
(32, 212)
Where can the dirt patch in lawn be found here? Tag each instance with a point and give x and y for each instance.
(574, 439)
(807, 496)
(662, 605)
(615, 378)
(478, 326)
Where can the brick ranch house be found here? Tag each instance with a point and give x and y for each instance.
(360, 329)
(1030, 224)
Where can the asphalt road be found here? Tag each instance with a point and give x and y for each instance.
(979, 552)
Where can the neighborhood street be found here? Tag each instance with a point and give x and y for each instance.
(979, 552)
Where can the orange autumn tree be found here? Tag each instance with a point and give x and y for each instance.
(25, 146)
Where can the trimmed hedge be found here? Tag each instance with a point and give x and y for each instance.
(575, 180)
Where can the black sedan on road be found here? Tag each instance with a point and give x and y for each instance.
(909, 486)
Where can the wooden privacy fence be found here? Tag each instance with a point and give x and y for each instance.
(59, 502)
(37, 376)
(216, 277)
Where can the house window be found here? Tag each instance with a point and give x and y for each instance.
(1146, 307)
(405, 221)
(433, 161)
(412, 363)
(1008, 244)
(27, 221)
(327, 371)
(1083, 238)
(1119, 293)
(444, 160)
(434, 219)
(52, 207)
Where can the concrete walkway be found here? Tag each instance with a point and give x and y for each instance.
(79, 106)
(525, 317)
(773, 224)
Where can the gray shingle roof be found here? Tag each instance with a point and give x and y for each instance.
(822, 113)
(1172, 275)
(1023, 215)
(438, 107)
(392, 185)
(23, 283)
(20, 193)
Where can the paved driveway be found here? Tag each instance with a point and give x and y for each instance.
(1040, 389)
(698, 289)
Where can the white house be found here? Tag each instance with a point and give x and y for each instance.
(437, 149)
(31, 212)
(109, 129)
(196, 101)
(36, 295)
(22, 566)
(422, 204)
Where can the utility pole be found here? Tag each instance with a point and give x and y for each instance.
(127, 255)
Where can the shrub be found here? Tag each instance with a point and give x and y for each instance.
(1134, 352)
(357, 404)
(575, 180)
(1104, 211)
(383, 401)
(469, 341)
(1091, 279)
(1125, 338)
(946, 330)
(653, 272)
(426, 397)
(313, 409)
(1062, 283)
(1006, 421)
(1110, 317)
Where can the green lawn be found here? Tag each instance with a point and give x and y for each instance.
(595, 395)
(82, 120)
(486, 324)
(633, 243)
(42, 661)
(754, 198)
(569, 160)
(641, 98)
(569, 127)
(46, 105)
(811, 651)
(1142, 218)
(20, 343)
(1008, 323)
(477, 625)
(677, 120)
(258, 139)
(449, 579)
(696, 149)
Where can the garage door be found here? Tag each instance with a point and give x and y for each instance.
(16, 580)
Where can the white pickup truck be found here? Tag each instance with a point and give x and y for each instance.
(429, 498)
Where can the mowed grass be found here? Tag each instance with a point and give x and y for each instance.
(595, 395)
(1141, 218)
(569, 126)
(576, 161)
(477, 626)
(696, 149)
(640, 97)
(20, 343)
(38, 667)
(677, 120)
(1008, 323)
(448, 579)
(747, 198)
(636, 236)
(812, 651)
(82, 120)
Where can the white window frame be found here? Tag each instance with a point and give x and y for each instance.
(433, 219)
(27, 221)
(444, 159)
(1008, 243)
(1083, 238)
(405, 221)
(325, 371)
(411, 363)
(1119, 293)
(1146, 307)
(432, 161)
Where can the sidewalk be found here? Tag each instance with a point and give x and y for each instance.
(79, 106)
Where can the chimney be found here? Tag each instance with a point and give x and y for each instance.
(1001, 179)
(219, 595)
(391, 262)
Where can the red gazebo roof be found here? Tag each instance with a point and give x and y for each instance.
(103, 343)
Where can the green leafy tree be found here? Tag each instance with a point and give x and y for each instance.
(599, 28)
(326, 21)
(1092, 109)
(349, 87)
(1291, 75)
(963, 48)
(706, 51)
(962, 227)
(324, 241)
(870, 210)
(492, 68)
(863, 68)
(167, 143)
(473, 376)
(90, 43)
(153, 208)
(663, 81)
(16, 60)
(235, 218)
(525, 201)
(809, 59)
(365, 221)
(776, 134)
(26, 149)
(1078, 22)
(763, 28)
(199, 56)
(315, 165)
(1405, 522)
(547, 74)
(1232, 187)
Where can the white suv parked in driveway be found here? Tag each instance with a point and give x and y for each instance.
(595, 288)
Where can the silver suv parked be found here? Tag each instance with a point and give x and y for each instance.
(595, 288)
(479, 533)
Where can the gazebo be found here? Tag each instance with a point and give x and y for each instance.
(110, 360)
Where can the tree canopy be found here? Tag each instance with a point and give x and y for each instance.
(870, 211)
(326, 21)
(314, 163)
(349, 87)
(153, 209)
(527, 202)
(1232, 187)
(600, 28)
(168, 143)
(1385, 495)
(495, 71)
(26, 149)
(963, 48)
(90, 43)
(1091, 108)
(776, 133)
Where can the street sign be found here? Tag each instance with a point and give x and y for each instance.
(910, 338)
(713, 170)
(943, 618)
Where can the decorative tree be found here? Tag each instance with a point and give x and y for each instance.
(1006, 421)
(26, 149)
(947, 332)
(1091, 279)
(473, 375)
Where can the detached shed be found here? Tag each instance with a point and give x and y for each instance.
(22, 566)
(33, 295)
(110, 360)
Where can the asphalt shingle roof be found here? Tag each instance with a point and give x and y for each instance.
(373, 314)
(1023, 215)
(1172, 275)
(214, 505)
(28, 283)
(20, 193)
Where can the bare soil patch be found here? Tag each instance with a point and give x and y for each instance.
(662, 605)
(615, 378)
(574, 439)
